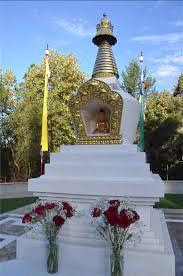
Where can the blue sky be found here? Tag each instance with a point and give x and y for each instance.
(156, 27)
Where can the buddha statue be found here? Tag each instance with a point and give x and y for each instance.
(102, 123)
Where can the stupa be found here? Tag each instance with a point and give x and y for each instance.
(104, 162)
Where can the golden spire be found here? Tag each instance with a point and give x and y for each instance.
(105, 65)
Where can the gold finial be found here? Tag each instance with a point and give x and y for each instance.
(105, 64)
(105, 21)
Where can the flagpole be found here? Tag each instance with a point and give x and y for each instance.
(44, 132)
(141, 142)
(41, 164)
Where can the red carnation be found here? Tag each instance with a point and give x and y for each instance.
(66, 205)
(69, 213)
(68, 208)
(114, 202)
(58, 220)
(96, 212)
(124, 219)
(40, 210)
(27, 218)
(135, 216)
(50, 206)
(112, 216)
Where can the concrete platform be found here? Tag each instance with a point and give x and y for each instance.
(8, 252)
(20, 268)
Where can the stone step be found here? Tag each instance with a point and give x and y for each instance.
(107, 151)
(97, 152)
(98, 186)
(98, 157)
(84, 236)
(100, 148)
(35, 268)
(90, 169)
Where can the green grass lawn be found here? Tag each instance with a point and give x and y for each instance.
(8, 204)
(171, 201)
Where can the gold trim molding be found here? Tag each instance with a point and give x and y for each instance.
(97, 90)
(103, 75)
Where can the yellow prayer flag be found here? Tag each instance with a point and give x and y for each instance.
(44, 133)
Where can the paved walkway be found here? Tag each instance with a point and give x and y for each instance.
(11, 227)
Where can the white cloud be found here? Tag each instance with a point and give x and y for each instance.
(167, 71)
(179, 23)
(170, 38)
(76, 26)
(176, 59)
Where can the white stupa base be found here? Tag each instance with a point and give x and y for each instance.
(80, 175)
(87, 256)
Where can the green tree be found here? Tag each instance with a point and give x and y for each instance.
(131, 79)
(25, 120)
(179, 87)
(164, 133)
(8, 102)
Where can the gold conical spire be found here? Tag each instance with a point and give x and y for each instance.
(105, 65)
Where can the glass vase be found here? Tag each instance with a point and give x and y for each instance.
(52, 261)
(117, 263)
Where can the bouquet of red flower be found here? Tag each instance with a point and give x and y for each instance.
(113, 220)
(49, 218)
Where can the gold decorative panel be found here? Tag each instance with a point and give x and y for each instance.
(97, 90)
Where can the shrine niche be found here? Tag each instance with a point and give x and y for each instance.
(97, 112)
(96, 118)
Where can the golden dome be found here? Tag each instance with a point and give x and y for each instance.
(105, 20)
